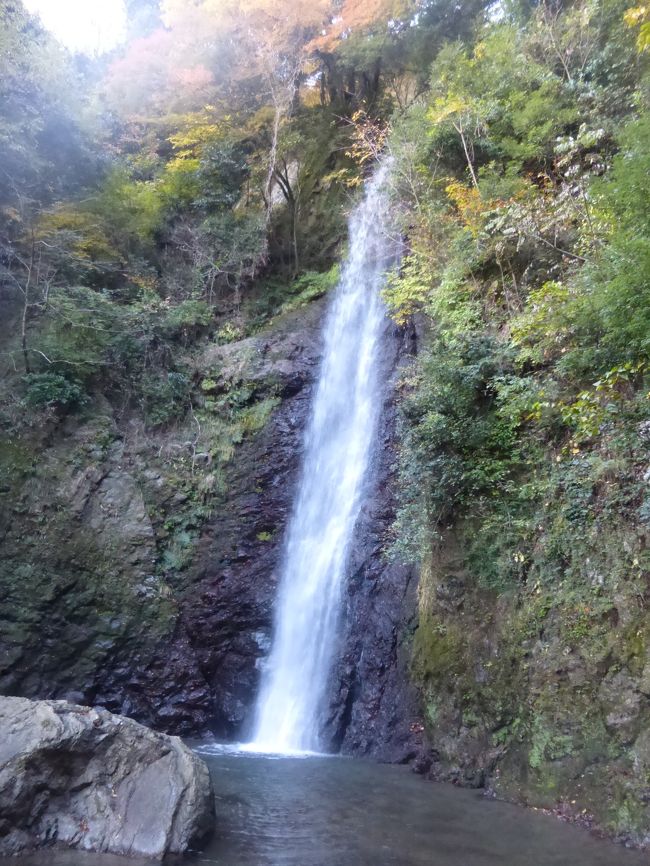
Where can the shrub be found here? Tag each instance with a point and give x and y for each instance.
(165, 397)
(52, 390)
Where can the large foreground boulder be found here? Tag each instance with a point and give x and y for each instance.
(92, 780)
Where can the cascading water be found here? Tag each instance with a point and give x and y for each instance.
(338, 444)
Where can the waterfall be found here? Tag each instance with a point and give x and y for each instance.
(338, 443)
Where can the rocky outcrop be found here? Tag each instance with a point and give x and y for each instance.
(228, 613)
(87, 779)
(112, 535)
(373, 709)
(86, 612)
(140, 572)
(535, 698)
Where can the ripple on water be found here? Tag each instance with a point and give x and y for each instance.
(329, 811)
(344, 812)
(260, 750)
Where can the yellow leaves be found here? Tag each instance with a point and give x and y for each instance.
(445, 107)
(79, 232)
(407, 290)
(601, 403)
(639, 16)
(343, 176)
(538, 409)
(183, 162)
(469, 204)
(636, 15)
(197, 130)
(540, 322)
(146, 283)
(368, 138)
(310, 96)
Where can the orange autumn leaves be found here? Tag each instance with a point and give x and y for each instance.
(354, 16)
(206, 48)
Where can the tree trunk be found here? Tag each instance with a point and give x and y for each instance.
(459, 130)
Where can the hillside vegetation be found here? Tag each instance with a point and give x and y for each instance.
(524, 176)
(192, 189)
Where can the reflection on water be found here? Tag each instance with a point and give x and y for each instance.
(319, 811)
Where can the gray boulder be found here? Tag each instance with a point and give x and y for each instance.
(96, 781)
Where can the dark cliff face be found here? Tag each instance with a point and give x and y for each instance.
(90, 613)
(228, 612)
(372, 708)
(83, 613)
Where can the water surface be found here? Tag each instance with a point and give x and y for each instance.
(320, 811)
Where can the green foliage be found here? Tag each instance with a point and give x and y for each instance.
(546, 745)
(78, 329)
(221, 173)
(529, 262)
(457, 444)
(639, 16)
(523, 177)
(52, 390)
(408, 289)
(310, 286)
(189, 315)
(211, 197)
(497, 104)
(133, 210)
(165, 397)
(277, 296)
(616, 286)
(229, 332)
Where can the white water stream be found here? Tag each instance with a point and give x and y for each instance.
(338, 444)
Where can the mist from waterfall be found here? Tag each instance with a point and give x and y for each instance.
(338, 443)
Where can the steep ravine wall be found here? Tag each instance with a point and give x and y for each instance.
(538, 699)
(121, 592)
(372, 708)
(135, 578)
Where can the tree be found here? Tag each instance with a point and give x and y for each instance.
(639, 16)
(44, 154)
